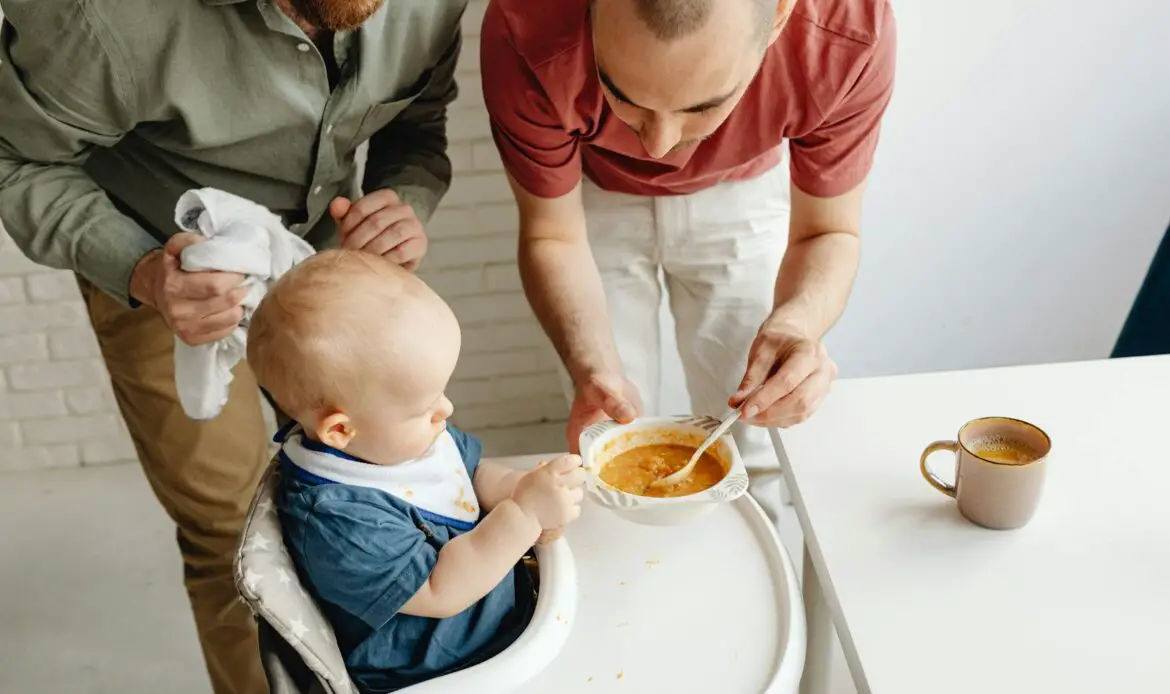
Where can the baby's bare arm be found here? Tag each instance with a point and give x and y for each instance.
(494, 484)
(471, 565)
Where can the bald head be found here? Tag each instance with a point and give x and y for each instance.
(673, 70)
(674, 19)
(347, 323)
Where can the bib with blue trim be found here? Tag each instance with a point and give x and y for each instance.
(436, 483)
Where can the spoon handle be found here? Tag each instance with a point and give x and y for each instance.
(731, 418)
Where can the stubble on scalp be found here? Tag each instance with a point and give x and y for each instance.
(675, 19)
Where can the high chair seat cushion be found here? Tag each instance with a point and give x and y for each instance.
(268, 583)
(291, 623)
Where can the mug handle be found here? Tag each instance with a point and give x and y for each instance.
(953, 447)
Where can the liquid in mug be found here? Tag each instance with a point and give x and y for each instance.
(1004, 451)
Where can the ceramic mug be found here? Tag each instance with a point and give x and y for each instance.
(1000, 464)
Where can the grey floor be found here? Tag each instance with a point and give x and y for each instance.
(91, 599)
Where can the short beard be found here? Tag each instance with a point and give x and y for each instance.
(336, 15)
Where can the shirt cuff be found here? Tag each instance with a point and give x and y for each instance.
(107, 257)
(416, 187)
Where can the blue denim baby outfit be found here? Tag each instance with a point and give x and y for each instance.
(363, 553)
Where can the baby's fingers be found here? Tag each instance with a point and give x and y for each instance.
(577, 495)
(565, 463)
(573, 479)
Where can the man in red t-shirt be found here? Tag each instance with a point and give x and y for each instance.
(676, 112)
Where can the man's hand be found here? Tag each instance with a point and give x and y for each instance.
(788, 375)
(380, 223)
(552, 493)
(601, 396)
(199, 307)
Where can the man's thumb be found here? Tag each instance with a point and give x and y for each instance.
(339, 208)
(617, 407)
(760, 362)
(175, 245)
(752, 381)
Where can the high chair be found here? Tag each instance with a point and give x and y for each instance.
(298, 648)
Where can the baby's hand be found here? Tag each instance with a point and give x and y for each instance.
(548, 537)
(552, 493)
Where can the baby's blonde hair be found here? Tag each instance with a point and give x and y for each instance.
(333, 327)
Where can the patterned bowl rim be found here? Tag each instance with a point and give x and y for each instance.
(733, 485)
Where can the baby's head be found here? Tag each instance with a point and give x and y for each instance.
(359, 351)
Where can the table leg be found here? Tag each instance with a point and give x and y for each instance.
(782, 459)
(819, 653)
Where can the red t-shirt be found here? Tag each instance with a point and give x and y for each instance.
(824, 85)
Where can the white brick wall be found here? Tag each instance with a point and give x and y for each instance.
(56, 406)
(507, 373)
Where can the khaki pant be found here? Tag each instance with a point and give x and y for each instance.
(203, 473)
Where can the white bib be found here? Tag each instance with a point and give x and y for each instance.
(436, 483)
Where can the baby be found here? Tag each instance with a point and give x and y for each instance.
(409, 543)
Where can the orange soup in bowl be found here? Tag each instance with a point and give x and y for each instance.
(632, 471)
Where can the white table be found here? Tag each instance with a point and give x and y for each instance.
(925, 602)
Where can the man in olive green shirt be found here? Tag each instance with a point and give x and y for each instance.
(111, 109)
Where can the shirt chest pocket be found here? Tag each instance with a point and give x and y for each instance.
(383, 113)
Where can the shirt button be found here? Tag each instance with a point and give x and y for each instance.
(329, 128)
(317, 190)
(303, 47)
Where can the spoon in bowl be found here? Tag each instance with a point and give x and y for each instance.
(686, 470)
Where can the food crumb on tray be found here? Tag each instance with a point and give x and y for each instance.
(621, 674)
(653, 562)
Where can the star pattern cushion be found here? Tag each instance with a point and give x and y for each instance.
(268, 583)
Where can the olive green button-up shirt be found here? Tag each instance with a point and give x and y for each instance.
(111, 109)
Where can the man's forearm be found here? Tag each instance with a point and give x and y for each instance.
(53, 111)
(420, 176)
(814, 282)
(409, 155)
(60, 218)
(565, 291)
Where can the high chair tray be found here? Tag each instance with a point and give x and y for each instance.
(711, 606)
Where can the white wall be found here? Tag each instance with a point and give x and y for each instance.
(1021, 187)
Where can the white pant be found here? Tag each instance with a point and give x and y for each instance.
(718, 251)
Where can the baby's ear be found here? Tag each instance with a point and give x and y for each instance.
(335, 430)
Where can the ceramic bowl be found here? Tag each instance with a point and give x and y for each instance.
(603, 441)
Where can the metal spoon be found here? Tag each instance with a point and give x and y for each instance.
(686, 470)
